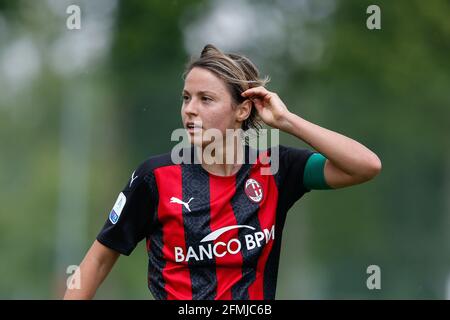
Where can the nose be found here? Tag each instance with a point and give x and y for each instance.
(190, 107)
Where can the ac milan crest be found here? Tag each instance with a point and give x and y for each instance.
(253, 190)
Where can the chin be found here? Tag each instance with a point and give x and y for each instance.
(197, 140)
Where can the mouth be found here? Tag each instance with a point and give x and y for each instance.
(193, 126)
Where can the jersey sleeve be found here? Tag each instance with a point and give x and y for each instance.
(132, 216)
(292, 162)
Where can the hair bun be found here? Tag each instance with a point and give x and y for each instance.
(209, 50)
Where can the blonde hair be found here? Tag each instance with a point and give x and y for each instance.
(238, 73)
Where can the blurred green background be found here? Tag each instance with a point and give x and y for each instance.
(80, 109)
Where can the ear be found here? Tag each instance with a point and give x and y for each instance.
(243, 110)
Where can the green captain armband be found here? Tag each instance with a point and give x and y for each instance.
(314, 174)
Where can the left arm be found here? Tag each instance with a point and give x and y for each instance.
(348, 161)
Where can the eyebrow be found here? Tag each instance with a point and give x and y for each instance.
(201, 92)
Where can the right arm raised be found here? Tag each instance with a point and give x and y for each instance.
(94, 268)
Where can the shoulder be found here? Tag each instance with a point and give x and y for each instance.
(281, 154)
(144, 172)
(290, 152)
(154, 162)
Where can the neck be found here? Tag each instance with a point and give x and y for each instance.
(220, 158)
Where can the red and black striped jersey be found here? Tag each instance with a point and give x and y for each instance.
(208, 236)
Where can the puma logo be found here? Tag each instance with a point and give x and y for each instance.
(133, 178)
(185, 204)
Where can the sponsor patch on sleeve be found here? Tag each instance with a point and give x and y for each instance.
(114, 215)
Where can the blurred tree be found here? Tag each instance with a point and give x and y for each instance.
(148, 58)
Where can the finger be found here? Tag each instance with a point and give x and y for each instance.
(258, 104)
(262, 96)
(257, 91)
(260, 91)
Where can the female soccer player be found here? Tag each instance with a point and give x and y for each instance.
(213, 228)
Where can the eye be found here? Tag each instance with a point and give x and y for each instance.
(206, 99)
(185, 97)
